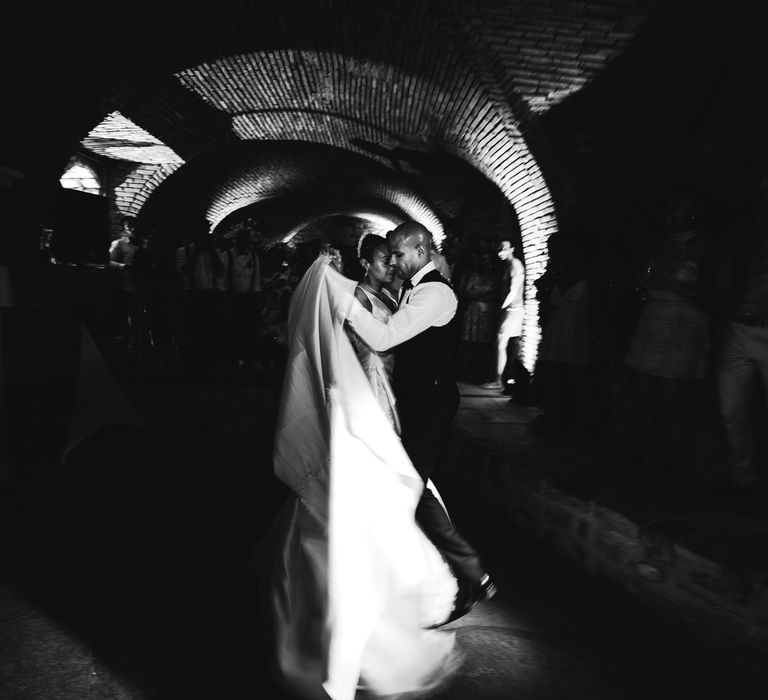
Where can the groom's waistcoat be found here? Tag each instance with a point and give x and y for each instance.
(425, 365)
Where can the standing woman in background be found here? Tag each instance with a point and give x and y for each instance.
(669, 354)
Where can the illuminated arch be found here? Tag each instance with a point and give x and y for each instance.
(80, 175)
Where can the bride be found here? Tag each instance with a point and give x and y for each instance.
(350, 587)
(373, 293)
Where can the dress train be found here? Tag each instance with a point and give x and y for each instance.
(349, 583)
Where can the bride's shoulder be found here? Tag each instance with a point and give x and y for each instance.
(363, 298)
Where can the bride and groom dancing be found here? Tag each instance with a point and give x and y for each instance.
(363, 566)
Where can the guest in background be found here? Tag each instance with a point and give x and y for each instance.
(743, 349)
(669, 355)
(244, 293)
(478, 294)
(158, 297)
(199, 266)
(121, 255)
(440, 262)
(563, 379)
(122, 249)
(40, 344)
(511, 321)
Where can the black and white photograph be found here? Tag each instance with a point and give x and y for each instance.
(384, 350)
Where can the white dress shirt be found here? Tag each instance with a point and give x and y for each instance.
(426, 305)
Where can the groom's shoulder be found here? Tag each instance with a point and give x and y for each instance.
(436, 276)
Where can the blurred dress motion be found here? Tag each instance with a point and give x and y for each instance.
(350, 585)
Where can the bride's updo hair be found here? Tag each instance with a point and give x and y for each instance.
(367, 244)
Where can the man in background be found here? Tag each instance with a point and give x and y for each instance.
(121, 257)
(511, 320)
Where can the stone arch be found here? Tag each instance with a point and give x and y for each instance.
(394, 108)
(252, 171)
(134, 188)
(407, 78)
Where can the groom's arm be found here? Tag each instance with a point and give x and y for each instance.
(430, 304)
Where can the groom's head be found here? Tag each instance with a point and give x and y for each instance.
(410, 248)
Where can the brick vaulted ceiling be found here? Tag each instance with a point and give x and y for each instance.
(171, 85)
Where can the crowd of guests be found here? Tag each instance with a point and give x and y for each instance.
(219, 303)
(697, 359)
(209, 307)
(668, 361)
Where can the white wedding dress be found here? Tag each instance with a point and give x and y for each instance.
(349, 583)
(378, 366)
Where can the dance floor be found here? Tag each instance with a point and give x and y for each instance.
(124, 575)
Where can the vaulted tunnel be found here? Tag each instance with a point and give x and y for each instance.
(539, 121)
(503, 89)
(386, 111)
(385, 82)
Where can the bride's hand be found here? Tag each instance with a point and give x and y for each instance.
(335, 255)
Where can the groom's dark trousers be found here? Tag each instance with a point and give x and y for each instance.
(424, 436)
(427, 401)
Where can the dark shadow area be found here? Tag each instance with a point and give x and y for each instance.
(639, 653)
(138, 545)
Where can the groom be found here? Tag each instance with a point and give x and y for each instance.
(422, 333)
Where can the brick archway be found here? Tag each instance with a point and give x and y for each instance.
(346, 102)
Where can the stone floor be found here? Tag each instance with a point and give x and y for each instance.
(123, 571)
(695, 560)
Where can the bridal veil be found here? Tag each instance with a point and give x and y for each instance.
(350, 584)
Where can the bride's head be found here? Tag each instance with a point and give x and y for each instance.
(373, 253)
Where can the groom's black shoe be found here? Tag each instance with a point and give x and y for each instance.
(469, 595)
(484, 589)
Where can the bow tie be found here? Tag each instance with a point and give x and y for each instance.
(405, 287)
